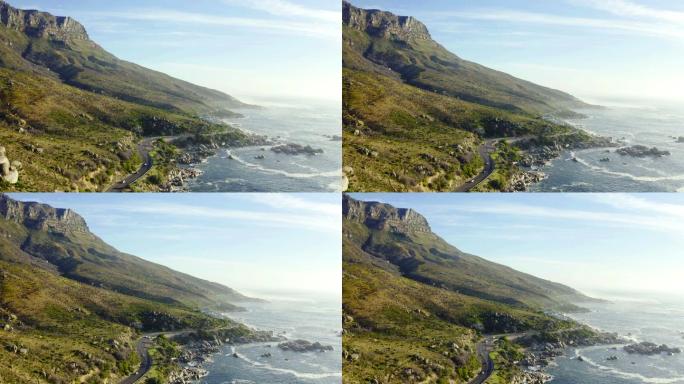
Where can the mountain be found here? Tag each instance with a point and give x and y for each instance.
(72, 308)
(415, 307)
(59, 47)
(59, 240)
(416, 116)
(73, 114)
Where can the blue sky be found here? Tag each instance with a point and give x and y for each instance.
(256, 243)
(257, 50)
(599, 50)
(597, 243)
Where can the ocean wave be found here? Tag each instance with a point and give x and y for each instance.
(630, 375)
(294, 175)
(297, 374)
(629, 175)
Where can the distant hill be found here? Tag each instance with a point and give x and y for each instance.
(415, 307)
(415, 115)
(72, 307)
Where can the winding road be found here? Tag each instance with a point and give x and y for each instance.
(144, 148)
(142, 348)
(483, 350)
(485, 150)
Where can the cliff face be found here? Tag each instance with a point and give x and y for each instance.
(40, 24)
(384, 217)
(42, 217)
(384, 24)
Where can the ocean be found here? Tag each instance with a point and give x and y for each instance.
(313, 125)
(295, 318)
(655, 319)
(650, 126)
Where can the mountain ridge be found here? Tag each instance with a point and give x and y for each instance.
(59, 240)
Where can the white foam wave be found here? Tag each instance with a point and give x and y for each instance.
(294, 175)
(630, 375)
(299, 375)
(629, 175)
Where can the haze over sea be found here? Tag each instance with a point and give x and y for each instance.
(635, 123)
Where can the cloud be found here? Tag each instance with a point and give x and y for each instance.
(645, 28)
(310, 29)
(288, 9)
(631, 9)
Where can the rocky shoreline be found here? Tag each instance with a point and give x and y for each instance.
(540, 353)
(198, 350)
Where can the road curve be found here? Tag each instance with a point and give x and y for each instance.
(485, 150)
(483, 350)
(142, 348)
(144, 148)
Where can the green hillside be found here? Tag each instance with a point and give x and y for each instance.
(415, 308)
(415, 114)
(72, 308)
(72, 113)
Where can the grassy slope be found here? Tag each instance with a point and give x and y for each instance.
(415, 307)
(61, 322)
(85, 109)
(419, 108)
(398, 323)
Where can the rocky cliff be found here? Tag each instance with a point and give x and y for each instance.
(384, 24)
(384, 217)
(40, 24)
(42, 217)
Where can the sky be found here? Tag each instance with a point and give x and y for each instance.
(259, 244)
(601, 244)
(598, 50)
(256, 50)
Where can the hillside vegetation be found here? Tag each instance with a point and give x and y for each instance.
(415, 114)
(415, 308)
(72, 113)
(72, 307)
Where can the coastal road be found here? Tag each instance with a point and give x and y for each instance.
(483, 350)
(144, 148)
(485, 150)
(142, 348)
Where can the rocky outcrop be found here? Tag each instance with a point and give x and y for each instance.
(641, 151)
(384, 24)
(304, 346)
(42, 217)
(384, 217)
(648, 348)
(296, 149)
(41, 24)
(9, 171)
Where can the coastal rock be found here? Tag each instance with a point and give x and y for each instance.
(520, 182)
(296, 149)
(648, 348)
(641, 151)
(304, 346)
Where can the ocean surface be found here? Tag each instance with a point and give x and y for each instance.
(658, 320)
(294, 318)
(311, 125)
(650, 126)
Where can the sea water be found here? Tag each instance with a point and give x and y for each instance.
(583, 171)
(243, 169)
(654, 319)
(294, 318)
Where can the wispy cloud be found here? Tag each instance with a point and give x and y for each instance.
(311, 29)
(284, 8)
(637, 27)
(633, 10)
